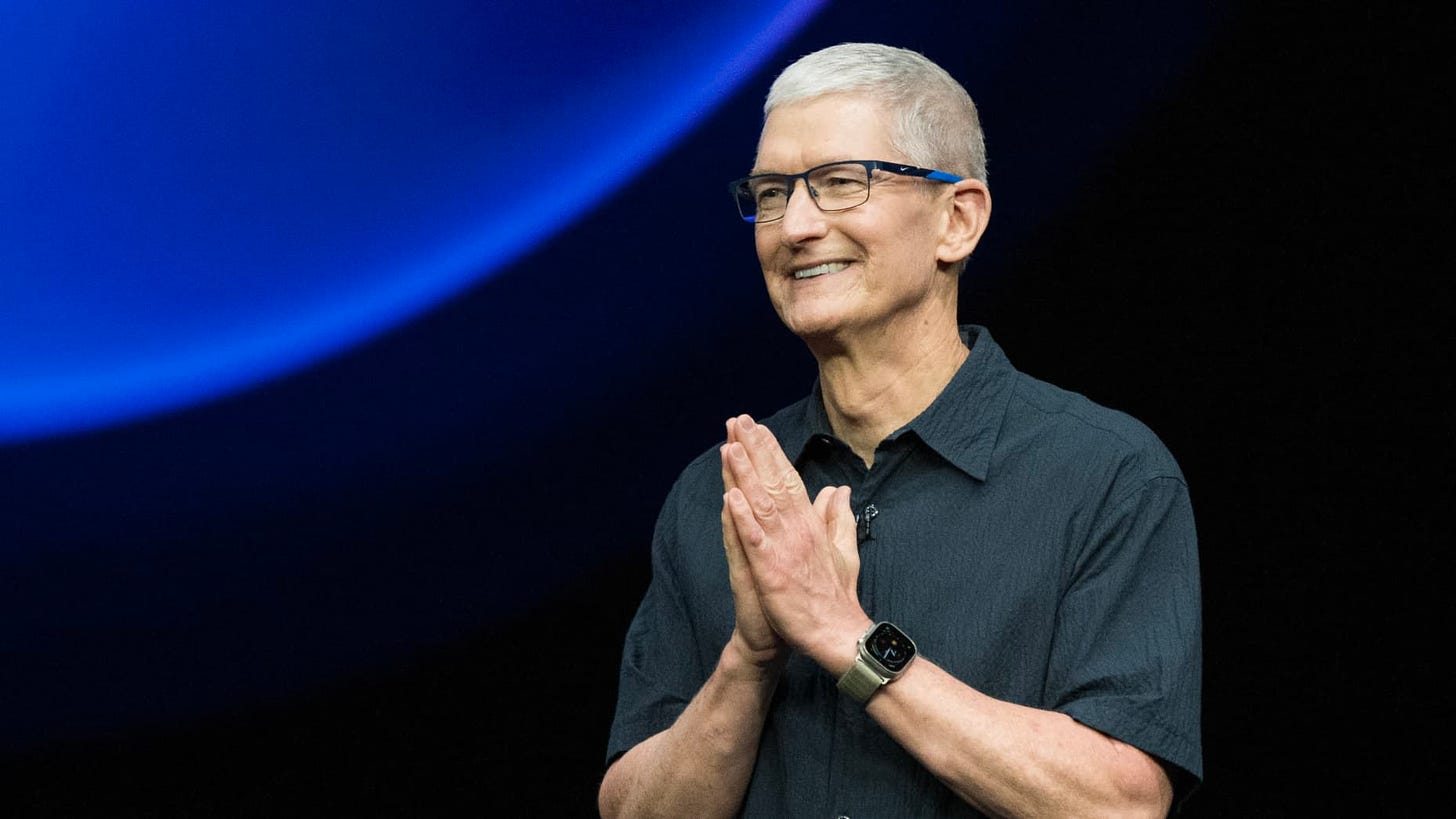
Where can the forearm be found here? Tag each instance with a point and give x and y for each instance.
(701, 765)
(1011, 760)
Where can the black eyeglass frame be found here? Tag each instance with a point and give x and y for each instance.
(739, 187)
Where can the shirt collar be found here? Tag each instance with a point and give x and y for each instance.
(798, 424)
(961, 424)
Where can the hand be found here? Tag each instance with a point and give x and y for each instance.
(760, 644)
(803, 558)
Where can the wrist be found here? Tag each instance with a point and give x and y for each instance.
(741, 660)
(837, 647)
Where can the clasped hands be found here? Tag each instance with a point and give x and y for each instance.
(793, 565)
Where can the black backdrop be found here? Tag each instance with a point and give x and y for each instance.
(1252, 266)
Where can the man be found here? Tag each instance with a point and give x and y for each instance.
(991, 603)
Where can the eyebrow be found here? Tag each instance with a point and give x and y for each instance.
(761, 172)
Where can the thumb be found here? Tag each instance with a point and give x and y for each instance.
(843, 531)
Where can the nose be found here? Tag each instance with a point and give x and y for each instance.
(802, 217)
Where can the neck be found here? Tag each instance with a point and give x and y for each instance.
(874, 386)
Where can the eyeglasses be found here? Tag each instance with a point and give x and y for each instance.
(834, 187)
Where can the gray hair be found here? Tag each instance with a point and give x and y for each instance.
(933, 121)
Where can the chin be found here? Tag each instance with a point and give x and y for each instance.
(816, 327)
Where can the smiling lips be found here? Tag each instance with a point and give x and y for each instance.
(820, 270)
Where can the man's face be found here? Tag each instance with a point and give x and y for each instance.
(873, 268)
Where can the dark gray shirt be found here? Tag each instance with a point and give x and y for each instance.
(1035, 545)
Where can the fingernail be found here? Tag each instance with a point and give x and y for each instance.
(747, 422)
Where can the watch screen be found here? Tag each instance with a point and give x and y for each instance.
(890, 647)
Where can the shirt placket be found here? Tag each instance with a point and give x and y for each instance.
(850, 720)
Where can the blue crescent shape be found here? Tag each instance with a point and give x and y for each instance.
(202, 197)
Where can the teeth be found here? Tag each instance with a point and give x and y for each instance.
(820, 270)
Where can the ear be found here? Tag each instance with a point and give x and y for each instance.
(969, 211)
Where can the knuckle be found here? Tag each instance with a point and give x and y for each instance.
(764, 506)
(785, 482)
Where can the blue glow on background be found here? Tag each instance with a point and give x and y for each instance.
(199, 197)
(198, 200)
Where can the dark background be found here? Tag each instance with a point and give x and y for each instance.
(1247, 255)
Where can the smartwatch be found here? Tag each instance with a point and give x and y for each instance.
(884, 654)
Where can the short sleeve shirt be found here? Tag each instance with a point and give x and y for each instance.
(1035, 545)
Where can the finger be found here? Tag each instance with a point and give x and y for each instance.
(732, 547)
(730, 531)
(763, 447)
(761, 501)
(843, 532)
(822, 502)
(728, 482)
(745, 523)
(773, 467)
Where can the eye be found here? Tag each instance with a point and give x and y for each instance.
(768, 191)
(840, 181)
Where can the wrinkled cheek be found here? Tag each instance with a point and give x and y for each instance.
(779, 306)
(765, 247)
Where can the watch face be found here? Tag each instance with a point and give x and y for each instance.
(890, 647)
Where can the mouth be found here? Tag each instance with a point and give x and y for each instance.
(820, 270)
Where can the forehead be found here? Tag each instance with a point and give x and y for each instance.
(800, 135)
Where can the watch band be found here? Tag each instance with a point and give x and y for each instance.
(861, 681)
